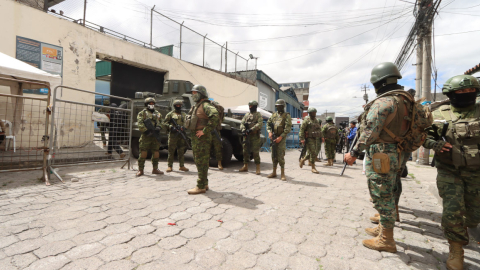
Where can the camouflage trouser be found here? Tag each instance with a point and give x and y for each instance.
(397, 189)
(148, 143)
(255, 144)
(311, 148)
(217, 147)
(318, 147)
(280, 157)
(460, 191)
(103, 129)
(176, 142)
(330, 145)
(381, 185)
(201, 152)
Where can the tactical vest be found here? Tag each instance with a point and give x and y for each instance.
(197, 118)
(179, 118)
(155, 116)
(396, 122)
(251, 120)
(464, 136)
(314, 129)
(279, 123)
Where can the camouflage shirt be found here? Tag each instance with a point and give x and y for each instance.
(306, 124)
(257, 126)
(287, 126)
(147, 114)
(179, 118)
(375, 121)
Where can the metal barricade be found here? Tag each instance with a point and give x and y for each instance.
(24, 135)
(75, 141)
(293, 138)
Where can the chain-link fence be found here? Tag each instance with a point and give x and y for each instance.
(75, 139)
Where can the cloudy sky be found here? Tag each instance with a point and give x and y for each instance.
(331, 43)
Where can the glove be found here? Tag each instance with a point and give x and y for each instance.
(438, 145)
(173, 128)
(157, 129)
(182, 128)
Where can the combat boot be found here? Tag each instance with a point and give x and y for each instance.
(169, 169)
(331, 162)
(156, 171)
(258, 169)
(206, 187)
(273, 174)
(317, 159)
(196, 190)
(220, 167)
(383, 242)
(398, 215)
(328, 163)
(244, 168)
(314, 170)
(183, 169)
(373, 231)
(139, 173)
(455, 257)
(309, 163)
(302, 162)
(282, 176)
(375, 219)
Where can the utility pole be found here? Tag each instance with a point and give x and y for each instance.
(365, 95)
(418, 79)
(236, 55)
(221, 58)
(84, 11)
(226, 53)
(151, 26)
(204, 37)
(181, 25)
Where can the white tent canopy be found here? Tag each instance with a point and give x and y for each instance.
(245, 109)
(10, 66)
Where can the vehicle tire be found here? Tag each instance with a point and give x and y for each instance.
(240, 157)
(405, 172)
(135, 147)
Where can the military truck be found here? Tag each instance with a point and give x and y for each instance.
(177, 89)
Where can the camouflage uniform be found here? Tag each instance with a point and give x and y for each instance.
(330, 143)
(308, 126)
(318, 148)
(285, 122)
(148, 142)
(175, 140)
(217, 148)
(201, 146)
(255, 122)
(459, 186)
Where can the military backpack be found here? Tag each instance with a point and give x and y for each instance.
(331, 132)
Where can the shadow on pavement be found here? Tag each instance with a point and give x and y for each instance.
(309, 184)
(233, 198)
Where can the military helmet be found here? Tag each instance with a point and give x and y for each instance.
(383, 71)
(280, 102)
(200, 89)
(253, 103)
(177, 102)
(329, 118)
(311, 109)
(460, 82)
(106, 102)
(149, 100)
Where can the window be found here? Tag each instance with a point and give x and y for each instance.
(175, 87)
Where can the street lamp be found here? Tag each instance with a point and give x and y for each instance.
(252, 57)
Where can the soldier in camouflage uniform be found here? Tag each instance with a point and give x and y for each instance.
(175, 140)
(375, 139)
(330, 138)
(317, 149)
(282, 124)
(254, 121)
(147, 139)
(202, 120)
(458, 163)
(103, 126)
(310, 132)
(217, 147)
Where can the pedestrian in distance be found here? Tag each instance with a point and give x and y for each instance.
(115, 128)
(310, 132)
(330, 138)
(175, 140)
(278, 127)
(251, 127)
(202, 120)
(352, 133)
(455, 137)
(104, 126)
(148, 119)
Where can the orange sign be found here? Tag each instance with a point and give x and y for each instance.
(49, 53)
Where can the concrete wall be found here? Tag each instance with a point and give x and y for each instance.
(81, 47)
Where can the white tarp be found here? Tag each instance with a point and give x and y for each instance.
(245, 109)
(13, 67)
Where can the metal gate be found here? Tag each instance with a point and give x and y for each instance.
(25, 122)
(87, 133)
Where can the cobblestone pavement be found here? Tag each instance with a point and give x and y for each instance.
(110, 219)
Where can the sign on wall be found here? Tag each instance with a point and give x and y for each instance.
(263, 100)
(41, 55)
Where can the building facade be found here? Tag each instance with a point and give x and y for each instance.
(302, 91)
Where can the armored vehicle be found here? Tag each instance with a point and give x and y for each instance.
(177, 89)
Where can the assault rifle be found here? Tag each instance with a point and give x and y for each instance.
(273, 144)
(442, 136)
(181, 131)
(151, 130)
(304, 149)
(350, 150)
(246, 141)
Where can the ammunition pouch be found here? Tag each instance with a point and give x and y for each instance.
(381, 163)
(191, 122)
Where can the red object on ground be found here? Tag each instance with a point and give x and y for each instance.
(172, 223)
(220, 220)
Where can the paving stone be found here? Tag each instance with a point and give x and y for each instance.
(61, 235)
(229, 245)
(29, 234)
(208, 224)
(332, 262)
(116, 239)
(210, 258)
(232, 225)
(54, 248)
(172, 242)
(91, 226)
(140, 221)
(23, 260)
(311, 249)
(119, 265)
(117, 219)
(116, 252)
(366, 253)
(200, 244)
(117, 228)
(91, 263)
(84, 251)
(54, 262)
(243, 235)
(144, 241)
(181, 255)
(141, 230)
(24, 246)
(241, 260)
(272, 261)
(284, 249)
(90, 237)
(147, 254)
(167, 231)
(8, 240)
(218, 233)
(192, 233)
(301, 262)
